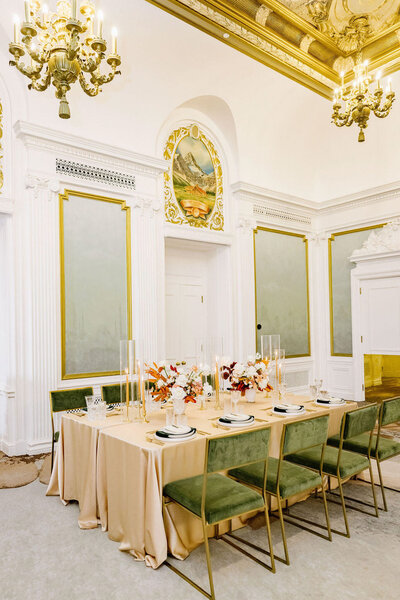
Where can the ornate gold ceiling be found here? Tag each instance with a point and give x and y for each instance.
(310, 41)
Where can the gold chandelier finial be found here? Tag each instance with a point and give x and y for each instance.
(62, 48)
(355, 104)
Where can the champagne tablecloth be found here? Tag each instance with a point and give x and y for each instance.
(131, 472)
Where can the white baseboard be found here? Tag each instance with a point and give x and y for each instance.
(13, 449)
(38, 447)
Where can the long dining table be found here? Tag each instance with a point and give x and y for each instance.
(116, 471)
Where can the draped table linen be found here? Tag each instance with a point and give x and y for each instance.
(123, 474)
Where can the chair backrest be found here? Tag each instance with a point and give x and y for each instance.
(229, 451)
(62, 400)
(360, 420)
(111, 394)
(390, 411)
(304, 434)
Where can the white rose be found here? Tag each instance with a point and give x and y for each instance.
(251, 371)
(263, 384)
(181, 380)
(258, 356)
(178, 393)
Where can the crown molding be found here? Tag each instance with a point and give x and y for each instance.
(307, 209)
(37, 136)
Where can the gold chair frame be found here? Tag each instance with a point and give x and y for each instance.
(279, 502)
(340, 480)
(211, 594)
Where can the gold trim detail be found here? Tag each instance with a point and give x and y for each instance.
(173, 213)
(330, 240)
(65, 197)
(305, 240)
(1, 149)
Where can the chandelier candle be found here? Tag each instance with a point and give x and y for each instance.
(65, 49)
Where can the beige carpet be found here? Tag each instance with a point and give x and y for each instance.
(16, 471)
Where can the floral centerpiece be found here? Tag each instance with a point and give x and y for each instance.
(181, 383)
(251, 375)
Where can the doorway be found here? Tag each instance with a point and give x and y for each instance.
(197, 297)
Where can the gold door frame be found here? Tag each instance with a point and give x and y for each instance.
(330, 240)
(305, 240)
(65, 197)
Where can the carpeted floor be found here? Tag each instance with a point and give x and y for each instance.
(45, 556)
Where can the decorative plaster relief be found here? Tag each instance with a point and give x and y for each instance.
(386, 240)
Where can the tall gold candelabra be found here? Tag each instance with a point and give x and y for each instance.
(62, 48)
(355, 104)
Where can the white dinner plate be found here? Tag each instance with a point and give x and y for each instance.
(176, 438)
(237, 423)
(290, 413)
(332, 402)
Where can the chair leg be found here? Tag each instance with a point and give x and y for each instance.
(206, 544)
(382, 486)
(52, 454)
(271, 550)
(343, 508)
(328, 523)
(283, 529)
(373, 488)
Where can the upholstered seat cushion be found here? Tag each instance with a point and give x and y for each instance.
(293, 479)
(359, 444)
(225, 498)
(350, 462)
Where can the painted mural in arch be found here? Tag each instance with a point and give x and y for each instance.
(193, 183)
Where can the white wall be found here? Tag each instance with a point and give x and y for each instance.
(271, 134)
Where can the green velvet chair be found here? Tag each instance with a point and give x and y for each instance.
(338, 462)
(111, 394)
(214, 498)
(64, 401)
(381, 448)
(285, 479)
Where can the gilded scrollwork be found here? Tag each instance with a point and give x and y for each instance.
(201, 201)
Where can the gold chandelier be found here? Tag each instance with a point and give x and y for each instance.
(62, 48)
(354, 104)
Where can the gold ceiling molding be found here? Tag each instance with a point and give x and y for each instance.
(309, 41)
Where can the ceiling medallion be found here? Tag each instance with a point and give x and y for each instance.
(65, 46)
(354, 104)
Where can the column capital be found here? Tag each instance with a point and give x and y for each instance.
(38, 183)
(246, 224)
(145, 204)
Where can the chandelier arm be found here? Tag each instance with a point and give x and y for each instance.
(29, 72)
(42, 84)
(89, 64)
(88, 89)
(102, 79)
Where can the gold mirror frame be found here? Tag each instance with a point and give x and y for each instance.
(65, 197)
(173, 212)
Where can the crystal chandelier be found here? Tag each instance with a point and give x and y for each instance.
(354, 104)
(63, 48)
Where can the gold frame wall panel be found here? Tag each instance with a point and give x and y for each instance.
(305, 240)
(173, 212)
(331, 316)
(63, 198)
(1, 148)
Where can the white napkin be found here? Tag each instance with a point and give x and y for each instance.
(177, 430)
(289, 407)
(236, 417)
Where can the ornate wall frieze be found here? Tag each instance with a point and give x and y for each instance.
(386, 239)
(286, 216)
(98, 174)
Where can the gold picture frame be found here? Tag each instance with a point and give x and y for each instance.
(193, 211)
(63, 197)
(305, 240)
(331, 317)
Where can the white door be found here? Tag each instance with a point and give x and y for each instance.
(185, 317)
(380, 316)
